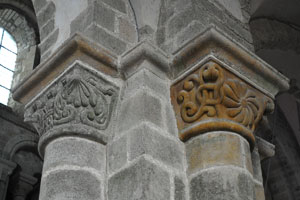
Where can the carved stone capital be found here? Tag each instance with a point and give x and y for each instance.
(211, 98)
(221, 85)
(78, 102)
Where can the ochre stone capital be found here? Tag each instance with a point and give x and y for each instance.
(212, 98)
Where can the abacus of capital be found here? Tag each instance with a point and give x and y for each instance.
(148, 125)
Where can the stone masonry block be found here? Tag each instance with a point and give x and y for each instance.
(106, 39)
(48, 42)
(179, 193)
(216, 149)
(38, 5)
(47, 29)
(222, 183)
(127, 30)
(192, 30)
(259, 192)
(46, 14)
(257, 174)
(117, 154)
(76, 152)
(116, 4)
(145, 79)
(140, 107)
(96, 13)
(170, 120)
(71, 184)
(141, 181)
(146, 140)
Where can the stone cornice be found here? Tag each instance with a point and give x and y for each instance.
(145, 50)
(244, 62)
(75, 48)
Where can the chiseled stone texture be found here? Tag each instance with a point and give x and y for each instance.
(70, 185)
(179, 187)
(140, 107)
(75, 151)
(142, 180)
(217, 148)
(222, 183)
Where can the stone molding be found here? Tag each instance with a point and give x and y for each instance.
(145, 50)
(7, 168)
(78, 102)
(212, 98)
(213, 42)
(77, 47)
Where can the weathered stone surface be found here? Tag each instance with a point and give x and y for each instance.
(46, 14)
(49, 41)
(127, 30)
(145, 79)
(217, 149)
(259, 192)
(222, 183)
(106, 39)
(212, 98)
(140, 107)
(96, 13)
(179, 192)
(257, 174)
(117, 154)
(70, 185)
(146, 140)
(116, 4)
(143, 180)
(74, 151)
(47, 29)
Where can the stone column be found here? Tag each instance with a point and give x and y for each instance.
(71, 108)
(6, 169)
(22, 186)
(219, 100)
(145, 158)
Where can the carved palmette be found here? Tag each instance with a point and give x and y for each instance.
(77, 99)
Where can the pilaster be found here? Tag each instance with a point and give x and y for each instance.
(146, 159)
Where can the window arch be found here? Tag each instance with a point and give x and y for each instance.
(8, 55)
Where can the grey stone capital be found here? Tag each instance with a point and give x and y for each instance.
(79, 102)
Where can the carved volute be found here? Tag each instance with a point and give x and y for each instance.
(212, 98)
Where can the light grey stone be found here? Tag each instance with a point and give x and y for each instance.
(71, 185)
(170, 120)
(179, 193)
(46, 14)
(139, 108)
(106, 39)
(146, 140)
(117, 154)
(75, 151)
(47, 29)
(96, 13)
(141, 181)
(117, 4)
(127, 30)
(257, 174)
(222, 183)
(49, 41)
(145, 79)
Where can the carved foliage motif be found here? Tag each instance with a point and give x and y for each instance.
(79, 97)
(212, 92)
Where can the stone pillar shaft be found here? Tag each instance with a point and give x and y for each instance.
(6, 169)
(219, 167)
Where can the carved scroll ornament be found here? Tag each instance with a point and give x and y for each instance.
(77, 98)
(212, 98)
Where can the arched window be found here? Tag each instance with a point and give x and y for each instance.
(8, 55)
